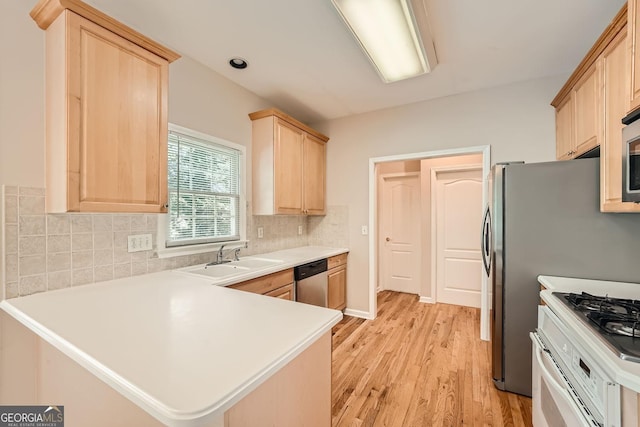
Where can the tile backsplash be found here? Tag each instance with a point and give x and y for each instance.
(52, 251)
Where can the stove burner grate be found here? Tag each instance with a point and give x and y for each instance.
(617, 324)
(618, 306)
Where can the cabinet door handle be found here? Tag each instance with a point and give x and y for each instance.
(388, 239)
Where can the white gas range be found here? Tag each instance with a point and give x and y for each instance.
(580, 378)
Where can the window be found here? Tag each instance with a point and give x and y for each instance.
(204, 189)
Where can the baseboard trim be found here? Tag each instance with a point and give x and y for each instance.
(427, 300)
(359, 313)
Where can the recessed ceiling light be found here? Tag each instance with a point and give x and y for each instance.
(238, 63)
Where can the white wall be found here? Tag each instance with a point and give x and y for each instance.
(516, 120)
(21, 96)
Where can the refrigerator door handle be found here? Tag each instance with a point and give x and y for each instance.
(486, 240)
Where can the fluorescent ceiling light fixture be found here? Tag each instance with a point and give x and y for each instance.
(393, 33)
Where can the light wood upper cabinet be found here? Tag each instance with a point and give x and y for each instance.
(634, 64)
(106, 112)
(314, 177)
(594, 100)
(288, 155)
(578, 116)
(587, 107)
(565, 143)
(289, 165)
(615, 63)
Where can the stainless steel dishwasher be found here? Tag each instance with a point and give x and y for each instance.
(311, 283)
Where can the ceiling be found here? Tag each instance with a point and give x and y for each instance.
(305, 61)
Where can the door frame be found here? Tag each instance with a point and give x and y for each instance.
(485, 150)
(379, 223)
(434, 232)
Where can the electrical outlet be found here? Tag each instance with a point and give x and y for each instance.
(299, 229)
(139, 242)
(365, 230)
(260, 232)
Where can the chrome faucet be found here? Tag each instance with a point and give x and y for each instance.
(219, 258)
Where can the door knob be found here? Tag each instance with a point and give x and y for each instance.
(388, 239)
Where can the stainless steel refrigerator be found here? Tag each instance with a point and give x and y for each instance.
(544, 218)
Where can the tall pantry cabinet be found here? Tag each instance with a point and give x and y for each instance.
(106, 112)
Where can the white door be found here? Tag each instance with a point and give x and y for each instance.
(400, 233)
(458, 206)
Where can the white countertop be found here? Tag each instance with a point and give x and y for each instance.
(289, 258)
(181, 349)
(624, 372)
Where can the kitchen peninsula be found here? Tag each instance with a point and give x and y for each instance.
(168, 348)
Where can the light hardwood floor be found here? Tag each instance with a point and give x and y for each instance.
(417, 365)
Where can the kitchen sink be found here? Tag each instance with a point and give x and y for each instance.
(233, 268)
(218, 271)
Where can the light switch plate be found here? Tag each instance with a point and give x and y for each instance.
(139, 242)
(260, 232)
(365, 230)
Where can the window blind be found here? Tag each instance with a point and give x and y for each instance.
(204, 198)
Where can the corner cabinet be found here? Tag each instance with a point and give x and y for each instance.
(289, 165)
(337, 282)
(106, 112)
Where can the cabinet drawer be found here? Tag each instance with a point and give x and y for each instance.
(337, 260)
(285, 292)
(265, 284)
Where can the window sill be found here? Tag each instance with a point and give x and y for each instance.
(199, 249)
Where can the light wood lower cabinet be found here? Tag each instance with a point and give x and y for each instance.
(285, 292)
(630, 407)
(337, 282)
(278, 285)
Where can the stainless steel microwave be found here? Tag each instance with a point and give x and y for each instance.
(631, 158)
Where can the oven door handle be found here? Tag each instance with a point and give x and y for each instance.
(553, 382)
(548, 376)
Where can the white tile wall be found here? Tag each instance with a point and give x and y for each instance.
(53, 251)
